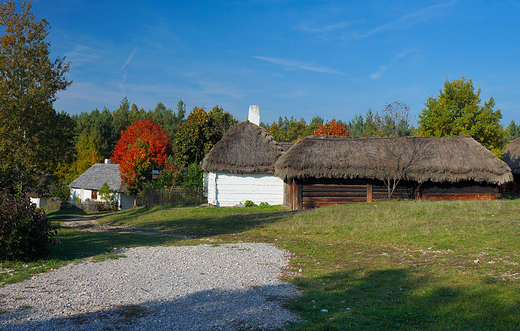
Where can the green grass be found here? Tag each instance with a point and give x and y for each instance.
(409, 265)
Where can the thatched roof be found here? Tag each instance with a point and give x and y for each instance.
(511, 155)
(245, 148)
(97, 175)
(285, 145)
(447, 159)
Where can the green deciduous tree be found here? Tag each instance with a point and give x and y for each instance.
(195, 137)
(291, 129)
(220, 123)
(457, 111)
(105, 193)
(89, 150)
(192, 141)
(199, 133)
(29, 125)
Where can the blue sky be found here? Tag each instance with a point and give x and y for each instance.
(292, 58)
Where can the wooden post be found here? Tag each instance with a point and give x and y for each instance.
(369, 192)
(299, 195)
(294, 204)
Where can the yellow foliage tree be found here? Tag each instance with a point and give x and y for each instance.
(457, 111)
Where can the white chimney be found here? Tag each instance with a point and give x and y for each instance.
(254, 114)
(108, 161)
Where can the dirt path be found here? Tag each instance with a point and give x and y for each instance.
(90, 223)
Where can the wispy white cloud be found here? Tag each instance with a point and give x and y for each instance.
(121, 85)
(81, 93)
(310, 27)
(420, 16)
(82, 54)
(381, 70)
(129, 59)
(293, 94)
(295, 64)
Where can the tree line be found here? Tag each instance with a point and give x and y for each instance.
(39, 145)
(393, 122)
(141, 141)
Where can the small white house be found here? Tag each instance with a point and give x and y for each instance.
(240, 166)
(39, 201)
(87, 186)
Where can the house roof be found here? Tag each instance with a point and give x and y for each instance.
(97, 175)
(286, 145)
(245, 148)
(447, 159)
(511, 155)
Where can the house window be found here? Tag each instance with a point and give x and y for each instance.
(93, 195)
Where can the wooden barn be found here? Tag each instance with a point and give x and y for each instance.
(511, 156)
(325, 170)
(240, 167)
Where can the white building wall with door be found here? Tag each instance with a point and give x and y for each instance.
(81, 194)
(227, 190)
(39, 202)
(123, 201)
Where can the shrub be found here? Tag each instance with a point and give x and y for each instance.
(25, 231)
(61, 191)
(249, 203)
(105, 193)
(191, 176)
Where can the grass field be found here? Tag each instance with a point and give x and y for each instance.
(408, 265)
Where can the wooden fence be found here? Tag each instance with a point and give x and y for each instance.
(174, 196)
(88, 206)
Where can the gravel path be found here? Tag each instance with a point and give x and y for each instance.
(205, 287)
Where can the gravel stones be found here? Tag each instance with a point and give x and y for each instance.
(205, 287)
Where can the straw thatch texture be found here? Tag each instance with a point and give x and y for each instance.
(285, 145)
(511, 155)
(245, 148)
(447, 159)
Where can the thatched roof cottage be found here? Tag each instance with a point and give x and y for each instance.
(325, 170)
(511, 156)
(240, 166)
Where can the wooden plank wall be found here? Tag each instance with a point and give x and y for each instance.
(511, 187)
(320, 195)
(459, 191)
(461, 196)
(403, 191)
(312, 193)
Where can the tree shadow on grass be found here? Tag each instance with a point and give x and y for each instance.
(60, 215)
(181, 230)
(399, 299)
(231, 224)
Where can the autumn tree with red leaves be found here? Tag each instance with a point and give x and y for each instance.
(143, 146)
(332, 129)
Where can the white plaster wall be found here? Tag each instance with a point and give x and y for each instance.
(210, 187)
(39, 202)
(80, 193)
(124, 200)
(226, 190)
